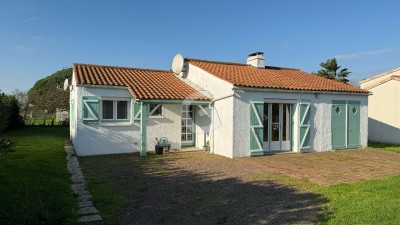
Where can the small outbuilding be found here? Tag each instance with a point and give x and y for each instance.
(384, 110)
(237, 109)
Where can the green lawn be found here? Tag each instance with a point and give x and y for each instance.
(34, 180)
(367, 202)
(384, 147)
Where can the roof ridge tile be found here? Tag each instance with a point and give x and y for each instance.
(122, 67)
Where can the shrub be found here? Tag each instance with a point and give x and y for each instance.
(5, 143)
(9, 113)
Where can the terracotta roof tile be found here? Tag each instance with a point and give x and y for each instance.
(142, 83)
(271, 77)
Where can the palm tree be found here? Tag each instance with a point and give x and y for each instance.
(330, 71)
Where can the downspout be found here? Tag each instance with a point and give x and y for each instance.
(213, 118)
(213, 124)
(220, 98)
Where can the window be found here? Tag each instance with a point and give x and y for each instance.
(108, 109)
(156, 109)
(122, 110)
(115, 110)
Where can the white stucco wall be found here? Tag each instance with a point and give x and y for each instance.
(384, 112)
(203, 118)
(321, 138)
(221, 129)
(110, 138)
(73, 113)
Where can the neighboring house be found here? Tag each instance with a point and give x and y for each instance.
(240, 109)
(62, 115)
(384, 110)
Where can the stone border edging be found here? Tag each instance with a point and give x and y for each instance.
(88, 214)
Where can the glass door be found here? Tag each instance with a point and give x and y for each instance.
(187, 125)
(277, 127)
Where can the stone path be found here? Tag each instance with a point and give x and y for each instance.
(88, 214)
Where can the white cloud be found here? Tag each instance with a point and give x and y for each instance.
(347, 56)
(381, 51)
(285, 45)
(28, 20)
(38, 37)
(21, 47)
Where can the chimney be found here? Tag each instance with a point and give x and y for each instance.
(256, 60)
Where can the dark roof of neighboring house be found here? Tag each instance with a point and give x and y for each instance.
(271, 77)
(142, 83)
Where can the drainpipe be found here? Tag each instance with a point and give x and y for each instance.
(220, 98)
(213, 118)
(213, 130)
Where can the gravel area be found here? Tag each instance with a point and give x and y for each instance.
(199, 189)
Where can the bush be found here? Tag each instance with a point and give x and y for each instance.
(9, 113)
(5, 143)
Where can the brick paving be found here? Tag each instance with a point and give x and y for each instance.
(332, 167)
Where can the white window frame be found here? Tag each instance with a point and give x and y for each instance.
(151, 113)
(115, 108)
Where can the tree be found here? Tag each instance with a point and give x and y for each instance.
(331, 71)
(48, 92)
(23, 100)
(9, 113)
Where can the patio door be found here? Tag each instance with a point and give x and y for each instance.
(277, 127)
(187, 125)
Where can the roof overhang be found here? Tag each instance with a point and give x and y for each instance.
(102, 86)
(171, 101)
(393, 77)
(253, 89)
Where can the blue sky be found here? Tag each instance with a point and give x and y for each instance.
(37, 38)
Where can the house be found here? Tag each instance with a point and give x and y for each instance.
(383, 113)
(240, 109)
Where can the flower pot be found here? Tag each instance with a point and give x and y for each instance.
(159, 150)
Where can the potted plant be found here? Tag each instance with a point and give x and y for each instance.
(160, 145)
(206, 146)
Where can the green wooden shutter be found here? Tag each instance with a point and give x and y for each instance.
(353, 121)
(304, 125)
(338, 124)
(256, 128)
(90, 109)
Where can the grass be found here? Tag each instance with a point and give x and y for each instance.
(384, 147)
(366, 202)
(35, 185)
(44, 121)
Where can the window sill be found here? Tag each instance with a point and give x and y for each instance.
(156, 117)
(115, 124)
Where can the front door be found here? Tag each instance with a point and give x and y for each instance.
(187, 125)
(277, 127)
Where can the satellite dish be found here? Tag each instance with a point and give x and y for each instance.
(66, 84)
(178, 63)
